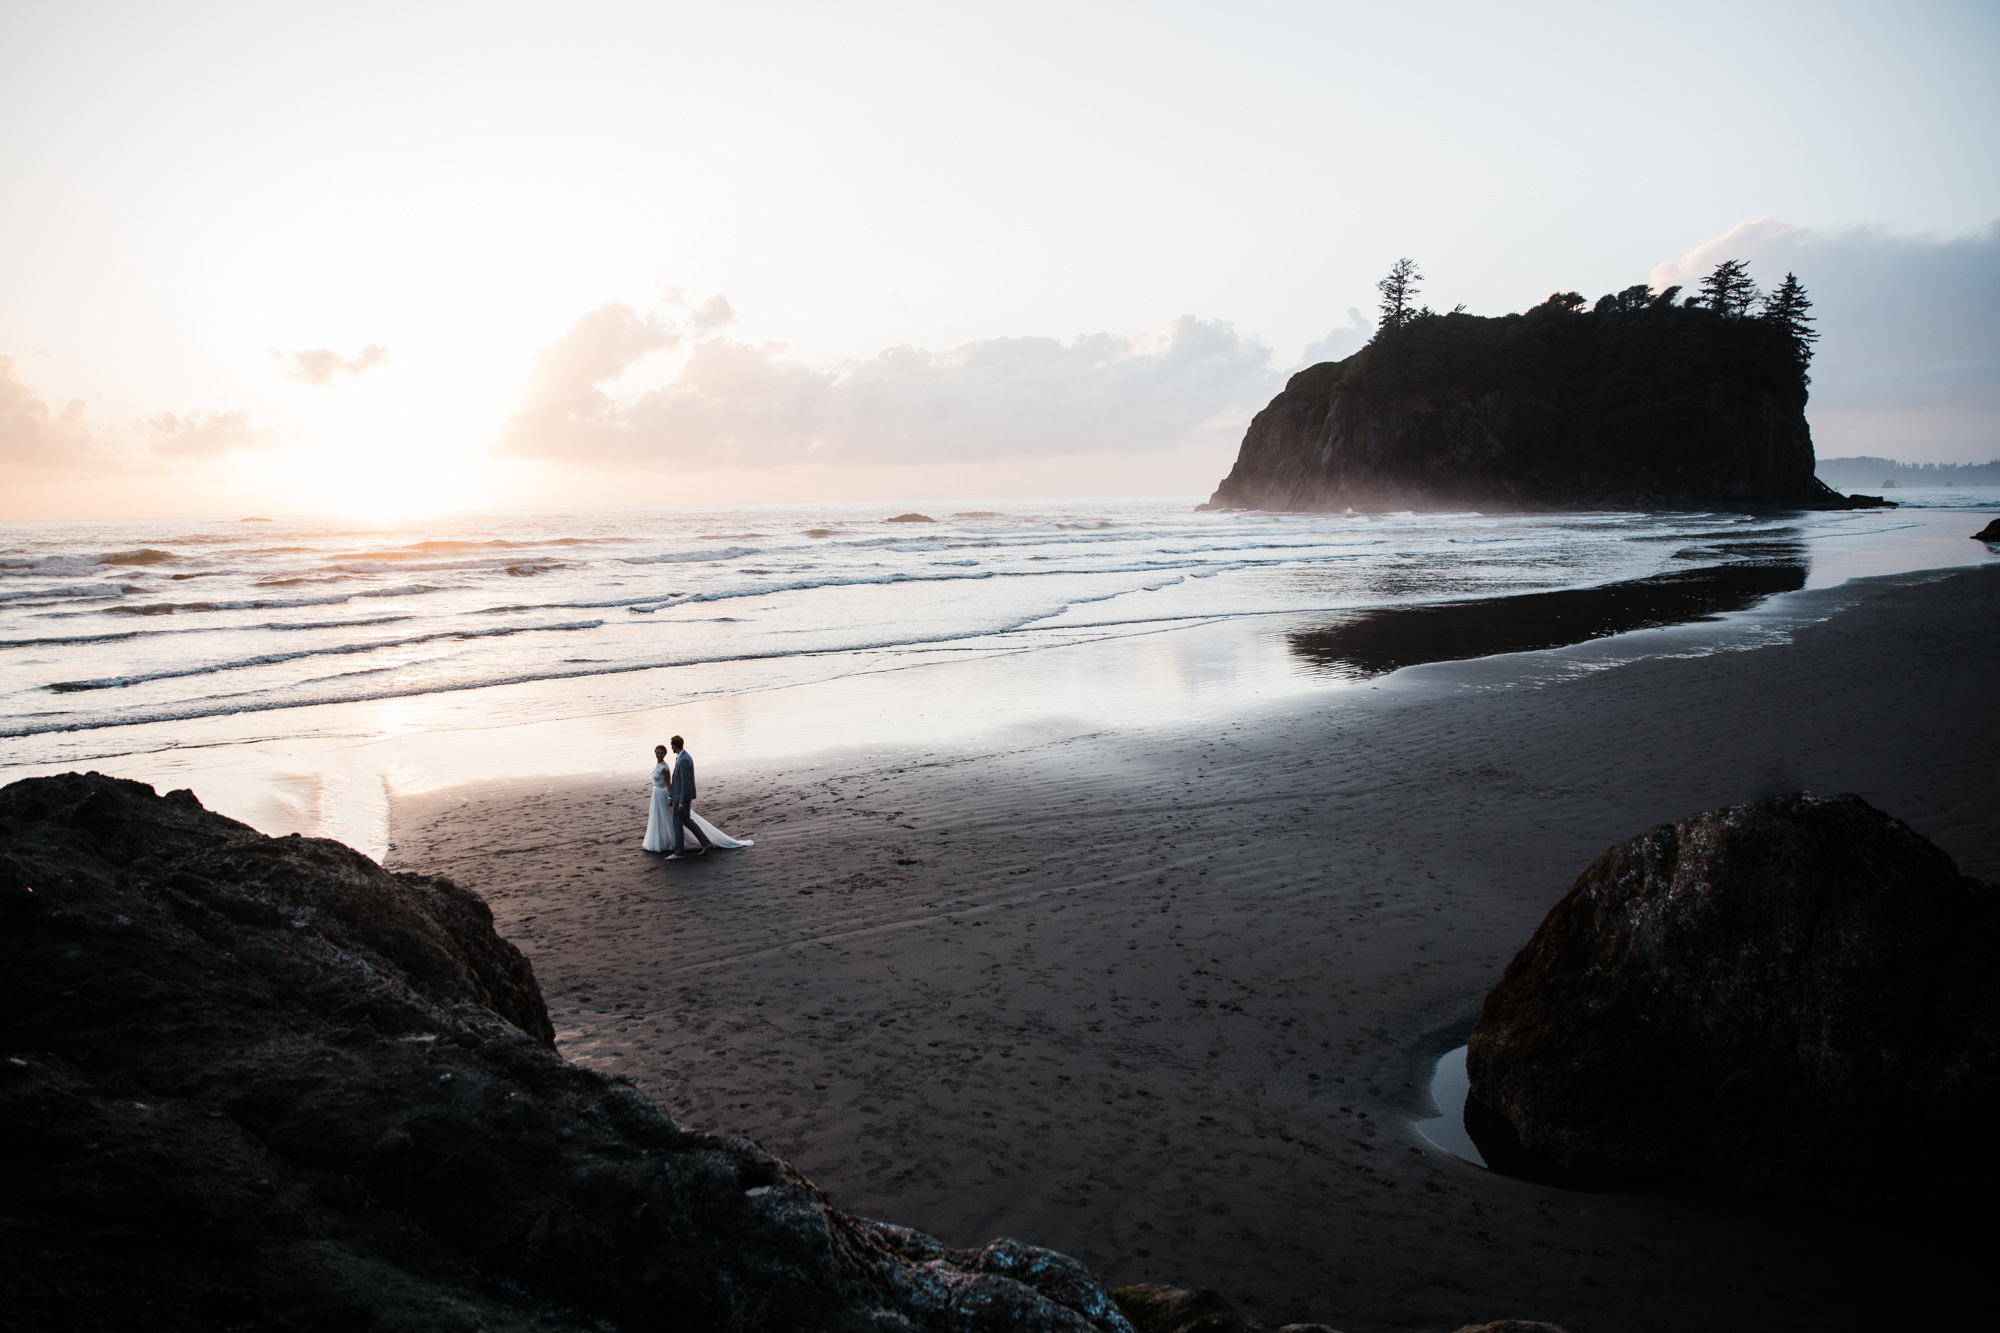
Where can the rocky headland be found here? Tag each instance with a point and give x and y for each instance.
(252, 1082)
(1636, 402)
(1795, 997)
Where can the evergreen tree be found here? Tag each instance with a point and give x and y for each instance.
(1399, 294)
(1636, 297)
(1786, 308)
(1728, 291)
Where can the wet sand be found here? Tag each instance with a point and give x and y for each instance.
(1170, 1002)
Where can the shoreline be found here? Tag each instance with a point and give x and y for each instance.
(1168, 998)
(329, 769)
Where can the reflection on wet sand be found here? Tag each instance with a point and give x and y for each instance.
(1380, 640)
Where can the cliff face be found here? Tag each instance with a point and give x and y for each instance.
(1655, 407)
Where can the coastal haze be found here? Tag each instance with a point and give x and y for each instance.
(409, 418)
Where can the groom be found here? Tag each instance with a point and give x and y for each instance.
(680, 801)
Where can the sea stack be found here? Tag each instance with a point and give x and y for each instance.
(1634, 403)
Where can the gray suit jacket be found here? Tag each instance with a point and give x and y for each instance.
(681, 790)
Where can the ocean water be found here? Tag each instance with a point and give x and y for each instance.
(189, 646)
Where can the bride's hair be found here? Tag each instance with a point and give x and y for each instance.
(659, 750)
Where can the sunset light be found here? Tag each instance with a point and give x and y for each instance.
(1086, 667)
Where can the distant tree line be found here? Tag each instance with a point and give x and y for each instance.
(1868, 470)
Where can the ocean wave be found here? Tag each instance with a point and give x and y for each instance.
(266, 603)
(260, 701)
(1075, 602)
(645, 605)
(335, 624)
(49, 564)
(80, 564)
(322, 573)
(150, 635)
(414, 550)
(272, 659)
(431, 555)
(57, 641)
(426, 567)
(684, 557)
(62, 564)
(175, 608)
(48, 596)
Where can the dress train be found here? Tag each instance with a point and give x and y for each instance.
(659, 828)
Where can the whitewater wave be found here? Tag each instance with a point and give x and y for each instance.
(260, 701)
(266, 603)
(900, 576)
(58, 641)
(685, 557)
(54, 596)
(423, 567)
(271, 659)
(1041, 572)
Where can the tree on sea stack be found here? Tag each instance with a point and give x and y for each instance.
(1786, 308)
(1399, 294)
(1728, 291)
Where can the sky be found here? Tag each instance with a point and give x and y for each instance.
(280, 258)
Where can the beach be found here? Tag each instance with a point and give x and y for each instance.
(1167, 997)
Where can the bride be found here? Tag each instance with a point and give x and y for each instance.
(659, 828)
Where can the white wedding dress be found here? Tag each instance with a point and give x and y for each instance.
(659, 831)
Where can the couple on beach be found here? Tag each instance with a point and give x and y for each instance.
(671, 816)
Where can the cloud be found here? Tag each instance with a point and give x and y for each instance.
(1909, 355)
(745, 405)
(1341, 342)
(705, 314)
(319, 365)
(563, 411)
(201, 435)
(33, 435)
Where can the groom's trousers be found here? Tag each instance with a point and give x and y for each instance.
(682, 826)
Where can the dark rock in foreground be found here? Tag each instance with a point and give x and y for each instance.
(1154, 1308)
(1797, 997)
(1989, 533)
(249, 1082)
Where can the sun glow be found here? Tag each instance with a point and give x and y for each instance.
(378, 481)
(383, 462)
